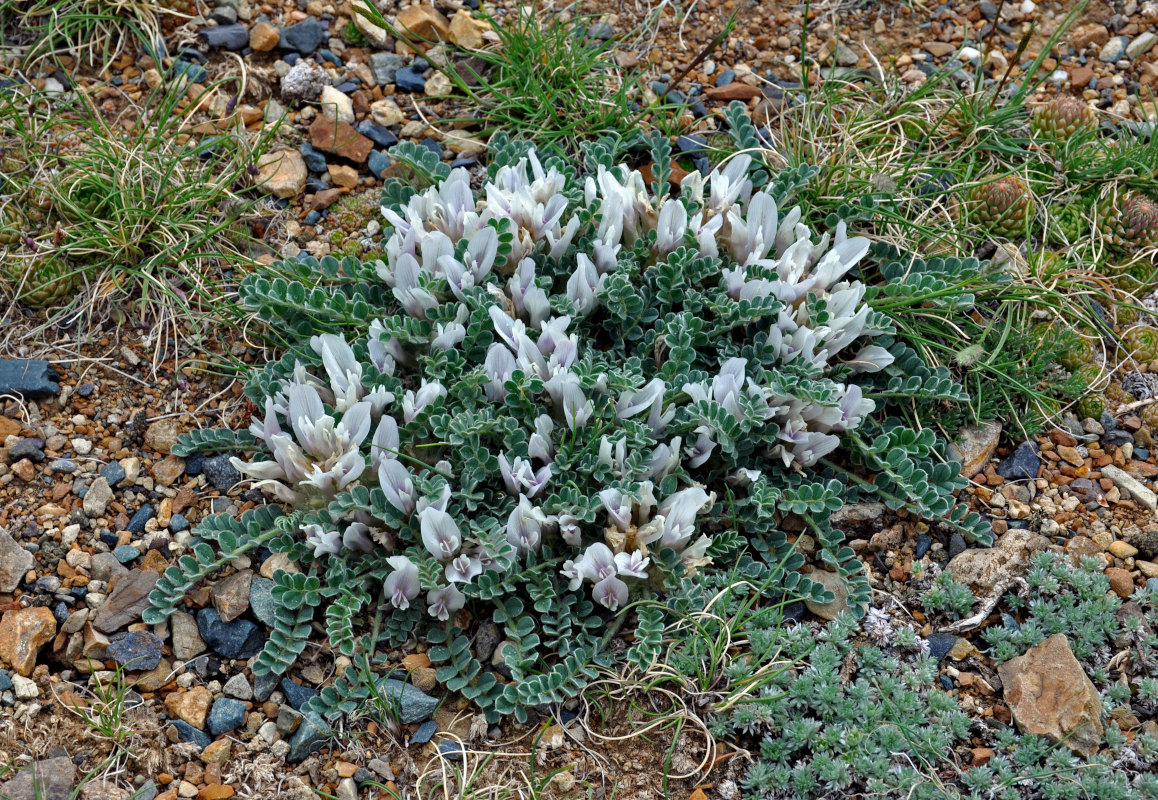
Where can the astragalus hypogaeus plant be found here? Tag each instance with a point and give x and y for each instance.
(565, 392)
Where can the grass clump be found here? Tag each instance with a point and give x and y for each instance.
(133, 217)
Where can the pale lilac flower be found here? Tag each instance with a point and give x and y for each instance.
(415, 299)
(395, 481)
(870, 358)
(324, 542)
(631, 403)
(440, 534)
(448, 335)
(401, 586)
(540, 445)
(618, 507)
(577, 409)
(385, 444)
(438, 503)
(357, 538)
(570, 529)
(463, 569)
(525, 525)
(520, 476)
(679, 511)
(617, 458)
(476, 264)
(632, 564)
(499, 366)
(413, 402)
(442, 603)
(671, 227)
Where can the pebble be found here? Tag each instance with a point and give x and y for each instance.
(305, 37)
(65, 466)
(296, 694)
(409, 79)
(384, 66)
(233, 37)
(113, 473)
(261, 601)
(227, 715)
(1114, 49)
(1021, 464)
(237, 639)
(15, 562)
(1142, 44)
(238, 687)
(413, 705)
(141, 516)
(135, 650)
(190, 734)
(31, 448)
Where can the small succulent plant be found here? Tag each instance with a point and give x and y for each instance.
(1070, 225)
(1092, 406)
(1149, 416)
(1141, 343)
(1129, 223)
(1001, 207)
(41, 280)
(1062, 118)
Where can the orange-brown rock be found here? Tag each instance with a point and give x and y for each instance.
(22, 633)
(339, 138)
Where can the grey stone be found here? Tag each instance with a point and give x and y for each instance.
(126, 553)
(378, 163)
(296, 694)
(106, 566)
(425, 732)
(835, 584)
(383, 67)
(347, 789)
(113, 473)
(190, 734)
(141, 516)
(128, 600)
(15, 562)
(974, 445)
(50, 779)
(221, 473)
(187, 641)
(263, 686)
(1021, 464)
(413, 704)
(1143, 43)
(311, 734)
(97, 498)
(238, 687)
(303, 82)
(982, 568)
(29, 447)
(261, 600)
(226, 715)
(65, 466)
(237, 639)
(233, 37)
(1131, 485)
(135, 650)
(409, 79)
(27, 377)
(1114, 49)
(305, 37)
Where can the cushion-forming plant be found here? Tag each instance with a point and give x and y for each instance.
(557, 396)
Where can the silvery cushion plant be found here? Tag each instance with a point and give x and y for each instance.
(560, 394)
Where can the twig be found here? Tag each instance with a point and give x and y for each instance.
(987, 606)
(1136, 404)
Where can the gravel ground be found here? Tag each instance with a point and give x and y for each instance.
(93, 506)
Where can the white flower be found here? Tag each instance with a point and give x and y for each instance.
(440, 534)
(442, 603)
(401, 586)
(525, 525)
(324, 542)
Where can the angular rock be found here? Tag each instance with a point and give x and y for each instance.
(1132, 486)
(263, 37)
(413, 705)
(221, 473)
(162, 435)
(835, 584)
(15, 562)
(281, 173)
(168, 470)
(1021, 464)
(383, 66)
(50, 779)
(237, 639)
(386, 112)
(190, 734)
(303, 82)
(424, 23)
(227, 715)
(1142, 44)
(106, 566)
(305, 37)
(135, 650)
(261, 600)
(974, 446)
(97, 498)
(128, 600)
(191, 706)
(340, 139)
(410, 79)
(375, 35)
(296, 694)
(22, 633)
(311, 734)
(231, 595)
(982, 568)
(1050, 695)
(466, 31)
(238, 687)
(29, 378)
(233, 37)
(336, 105)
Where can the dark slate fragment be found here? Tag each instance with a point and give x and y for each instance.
(424, 733)
(296, 694)
(222, 474)
(940, 644)
(305, 37)
(409, 79)
(28, 377)
(1021, 463)
(135, 650)
(240, 638)
(140, 517)
(190, 734)
(227, 37)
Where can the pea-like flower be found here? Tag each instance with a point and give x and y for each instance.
(401, 585)
(440, 534)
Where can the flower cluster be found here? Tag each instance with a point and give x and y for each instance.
(570, 373)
